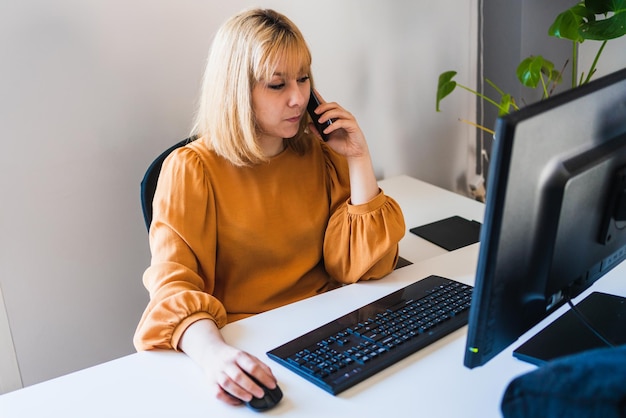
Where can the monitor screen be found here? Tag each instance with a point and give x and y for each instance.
(555, 216)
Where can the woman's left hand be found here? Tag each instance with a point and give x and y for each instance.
(347, 139)
(345, 135)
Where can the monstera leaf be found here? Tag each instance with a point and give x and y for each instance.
(610, 27)
(533, 69)
(598, 20)
(567, 24)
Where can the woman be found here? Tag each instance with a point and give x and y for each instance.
(259, 212)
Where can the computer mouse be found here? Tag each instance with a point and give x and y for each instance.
(268, 401)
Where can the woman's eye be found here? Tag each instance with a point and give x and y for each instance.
(281, 85)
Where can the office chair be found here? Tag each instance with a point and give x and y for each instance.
(150, 178)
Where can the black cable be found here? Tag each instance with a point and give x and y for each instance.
(588, 324)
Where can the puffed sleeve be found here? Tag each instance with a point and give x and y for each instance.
(361, 241)
(180, 279)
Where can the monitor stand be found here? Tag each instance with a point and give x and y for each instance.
(568, 335)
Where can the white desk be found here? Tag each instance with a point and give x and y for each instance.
(431, 383)
(423, 203)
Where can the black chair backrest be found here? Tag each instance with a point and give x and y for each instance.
(149, 182)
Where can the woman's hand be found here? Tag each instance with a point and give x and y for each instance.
(347, 139)
(226, 367)
(345, 135)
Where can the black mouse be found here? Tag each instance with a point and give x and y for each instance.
(268, 401)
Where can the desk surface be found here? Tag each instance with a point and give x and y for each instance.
(431, 383)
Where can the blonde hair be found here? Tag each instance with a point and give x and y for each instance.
(246, 51)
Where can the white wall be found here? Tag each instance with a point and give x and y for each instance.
(613, 57)
(93, 90)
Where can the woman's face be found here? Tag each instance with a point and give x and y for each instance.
(280, 103)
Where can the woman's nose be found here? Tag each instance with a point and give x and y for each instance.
(297, 96)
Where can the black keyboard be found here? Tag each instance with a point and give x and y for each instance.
(346, 351)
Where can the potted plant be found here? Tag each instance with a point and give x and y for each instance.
(598, 20)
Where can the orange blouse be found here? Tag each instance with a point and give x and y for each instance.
(228, 242)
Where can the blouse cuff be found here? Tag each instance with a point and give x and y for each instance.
(185, 323)
(376, 203)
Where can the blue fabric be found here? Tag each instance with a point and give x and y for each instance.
(590, 384)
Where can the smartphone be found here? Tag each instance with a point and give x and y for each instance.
(313, 104)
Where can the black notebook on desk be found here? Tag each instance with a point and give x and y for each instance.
(451, 233)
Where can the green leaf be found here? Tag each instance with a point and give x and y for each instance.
(567, 24)
(529, 71)
(602, 7)
(581, 21)
(609, 28)
(506, 103)
(445, 86)
(554, 76)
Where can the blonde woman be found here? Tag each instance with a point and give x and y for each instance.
(259, 212)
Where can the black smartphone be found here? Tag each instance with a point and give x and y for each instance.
(313, 104)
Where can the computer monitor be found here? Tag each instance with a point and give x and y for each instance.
(555, 215)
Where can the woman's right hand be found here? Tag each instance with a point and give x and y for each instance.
(227, 368)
